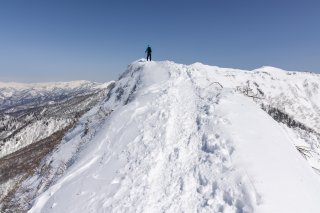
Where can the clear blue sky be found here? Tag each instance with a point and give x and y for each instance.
(51, 40)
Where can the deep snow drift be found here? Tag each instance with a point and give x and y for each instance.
(178, 138)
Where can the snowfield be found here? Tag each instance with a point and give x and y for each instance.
(189, 138)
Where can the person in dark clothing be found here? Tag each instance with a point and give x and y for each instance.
(148, 51)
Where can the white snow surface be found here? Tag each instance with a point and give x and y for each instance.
(178, 142)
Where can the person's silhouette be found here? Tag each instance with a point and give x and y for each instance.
(148, 51)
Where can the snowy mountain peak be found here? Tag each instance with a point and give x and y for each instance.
(188, 138)
(273, 70)
(270, 69)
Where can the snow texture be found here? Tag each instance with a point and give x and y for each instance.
(178, 138)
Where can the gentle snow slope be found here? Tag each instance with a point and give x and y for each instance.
(178, 142)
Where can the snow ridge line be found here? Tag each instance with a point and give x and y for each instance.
(179, 144)
(176, 161)
(225, 188)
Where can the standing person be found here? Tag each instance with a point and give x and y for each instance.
(148, 51)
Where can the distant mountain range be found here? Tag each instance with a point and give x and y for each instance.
(20, 95)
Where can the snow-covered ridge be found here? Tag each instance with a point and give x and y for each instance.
(188, 138)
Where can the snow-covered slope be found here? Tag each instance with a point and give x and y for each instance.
(31, 127)
(31, 112)
(177, 138)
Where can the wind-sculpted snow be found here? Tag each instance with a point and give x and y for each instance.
(178, 138)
